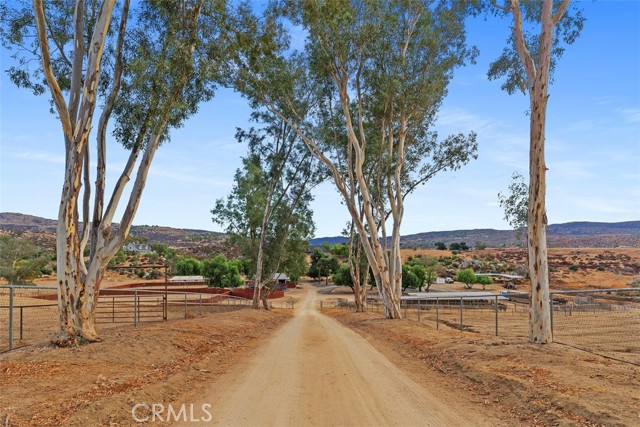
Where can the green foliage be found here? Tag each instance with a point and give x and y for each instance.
(340, 250)
(153, 257)
(328, 265)
(462, 246)
(120, 257)
(268, 206)
(218, 271)
(516, 204)
(20, 260)
(466, 276)
(573, 267)
(188, 267)
(160, 248)
(154, 274)
(322, 265)
(509, 66)
(429, 266)
(368, 73)
(484, 281)
(480, 246)
(342, 276)
(440, 246)
(414, 275)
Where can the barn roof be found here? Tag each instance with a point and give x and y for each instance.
(470, 295)
(506, 276)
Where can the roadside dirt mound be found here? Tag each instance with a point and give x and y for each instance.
(550, 385)
(98, 384)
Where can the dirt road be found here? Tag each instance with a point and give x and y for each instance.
(316, 372)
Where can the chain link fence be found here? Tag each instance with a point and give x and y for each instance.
(606, 322)
(29, 314)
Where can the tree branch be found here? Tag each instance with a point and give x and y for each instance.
(560, 12)
(56, 93)
(521, 46)
(504, 8)
(78, 57)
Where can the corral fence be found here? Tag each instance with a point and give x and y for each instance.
(29, 314)
(605, 321)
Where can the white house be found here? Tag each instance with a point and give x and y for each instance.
(137, 247)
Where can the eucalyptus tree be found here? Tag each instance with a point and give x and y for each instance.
(150, 69)
(527, 64)
(267, 213)
(363, 96)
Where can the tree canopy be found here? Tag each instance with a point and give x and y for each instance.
(362, 96)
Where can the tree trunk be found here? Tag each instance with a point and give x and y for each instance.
(76, 297)
(539, 309)
(537, 83)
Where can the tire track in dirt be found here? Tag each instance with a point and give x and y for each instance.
(316, 372)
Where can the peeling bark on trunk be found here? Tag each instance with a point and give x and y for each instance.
(539, 309)
(79, 281)
(537, 83)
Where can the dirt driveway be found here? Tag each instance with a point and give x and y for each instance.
(316, 372)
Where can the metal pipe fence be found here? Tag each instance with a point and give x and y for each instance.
(603, 321)
(29, 314)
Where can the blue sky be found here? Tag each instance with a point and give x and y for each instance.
(593, 142)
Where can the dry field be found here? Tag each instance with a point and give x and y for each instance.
(595, 267)
(97, 384)
(529, 385)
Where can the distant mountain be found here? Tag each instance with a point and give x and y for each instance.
(43, 230)
(568, 235)
(318, 241)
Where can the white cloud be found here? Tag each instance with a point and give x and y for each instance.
(40, 157)
(189, 177)
(631, 115)
(571, 169)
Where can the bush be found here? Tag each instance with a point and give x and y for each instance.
(220, 272)
(467, 276)
(154, 274)
(484, 281)
(188, 267)
(573, 267)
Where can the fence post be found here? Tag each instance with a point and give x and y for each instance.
(113, 309)
(164, 307)
(200, 304)
(405, 308)
(11, 290)
(437, 314)
(418, 311)
(185, 305)
(460, 313)
(496, 308)
(20, 323)
(135, 309)
(551, 310)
